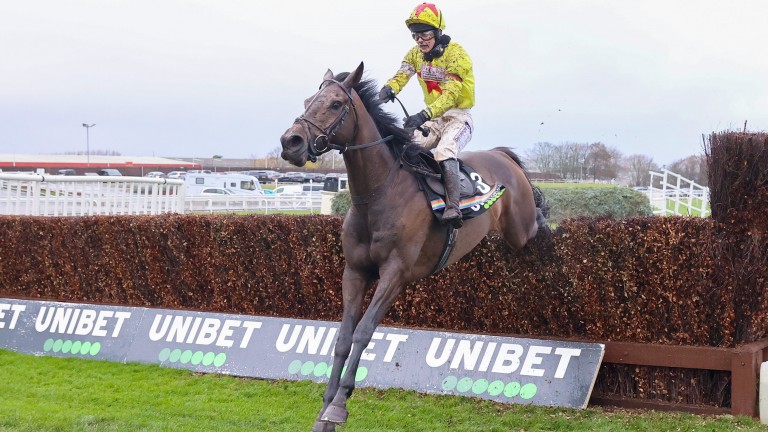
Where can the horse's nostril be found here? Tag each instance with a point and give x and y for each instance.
(296, 140)
(292, 140)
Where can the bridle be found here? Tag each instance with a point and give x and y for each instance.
(322, 143)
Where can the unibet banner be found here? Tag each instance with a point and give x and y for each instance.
(503, 369)
(68, 330)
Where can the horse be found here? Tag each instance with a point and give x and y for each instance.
(389, 234)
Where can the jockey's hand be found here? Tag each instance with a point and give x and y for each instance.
(386, 94)
(417, 119)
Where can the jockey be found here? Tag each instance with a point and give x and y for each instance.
(444, 72)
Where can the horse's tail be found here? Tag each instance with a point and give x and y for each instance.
(538, 196)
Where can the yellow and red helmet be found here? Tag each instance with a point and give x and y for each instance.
(426, 14)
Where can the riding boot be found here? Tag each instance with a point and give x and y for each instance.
(452, 213)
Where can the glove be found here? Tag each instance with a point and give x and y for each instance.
(417, 119)
(386, 94)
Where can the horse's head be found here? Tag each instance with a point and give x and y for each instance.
(322, 128)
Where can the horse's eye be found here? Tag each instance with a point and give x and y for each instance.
(336, 105)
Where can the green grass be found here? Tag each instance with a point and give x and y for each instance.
(552, 185)
(688, 207)
(54, 394)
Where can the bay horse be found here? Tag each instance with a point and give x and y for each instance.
(390, 234)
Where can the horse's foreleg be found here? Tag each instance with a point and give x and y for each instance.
(385, 296)
(353, 290)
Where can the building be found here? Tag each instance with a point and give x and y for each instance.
(82, 164)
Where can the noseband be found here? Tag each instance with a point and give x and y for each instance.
(322, 143)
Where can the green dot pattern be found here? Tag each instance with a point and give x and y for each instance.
(464, 385)
(321, 369)
(481, 386)
(194, 358)
(72, 347)
(449, 383)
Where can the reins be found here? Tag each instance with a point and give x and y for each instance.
(322, 143)
(424, 131)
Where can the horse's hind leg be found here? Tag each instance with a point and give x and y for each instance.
(386, 293)
(353, 290)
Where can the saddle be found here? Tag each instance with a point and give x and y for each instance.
(475, 197)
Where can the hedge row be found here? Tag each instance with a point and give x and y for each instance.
(638, 279)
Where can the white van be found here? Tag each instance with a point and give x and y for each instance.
(298, 189)
(238, 184)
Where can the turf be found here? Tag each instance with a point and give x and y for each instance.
(66, 394)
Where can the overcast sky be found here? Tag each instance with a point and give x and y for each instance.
(196, 78)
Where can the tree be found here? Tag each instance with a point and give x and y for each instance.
(330, 161)
(542, 156)
(638, 169)
(603, 162)
(568, 158)
(273, 157)
(692, 167)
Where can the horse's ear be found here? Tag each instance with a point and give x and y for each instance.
(328, 75)
(354, 78)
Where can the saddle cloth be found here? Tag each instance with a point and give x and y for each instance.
(476, 195)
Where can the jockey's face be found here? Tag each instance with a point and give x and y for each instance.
(425, 40)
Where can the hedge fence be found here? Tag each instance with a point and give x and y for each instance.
(666, 280)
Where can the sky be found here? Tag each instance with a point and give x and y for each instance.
(196, 78)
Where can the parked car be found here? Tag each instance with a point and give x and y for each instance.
(155, 174)
(293, 177)
(109, 172)
(67, 172)
(294, 189)
(177, 175)
(264, 176)
(216, 191)
(316, 177)
(224, 191)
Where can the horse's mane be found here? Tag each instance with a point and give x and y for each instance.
(386, 123)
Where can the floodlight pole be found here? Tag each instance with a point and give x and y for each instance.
(88, 142)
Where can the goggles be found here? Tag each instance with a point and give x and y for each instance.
(427, 35)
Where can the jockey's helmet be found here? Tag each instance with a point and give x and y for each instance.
(425, 17)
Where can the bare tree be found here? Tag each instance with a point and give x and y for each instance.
(542, 156)
(273, 157)
(603, 162)
(692, 167)
(569, 158)
(330, 161)
(638, 169)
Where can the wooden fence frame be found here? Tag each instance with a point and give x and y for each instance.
(743, 362)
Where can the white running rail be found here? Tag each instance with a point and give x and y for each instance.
(672, 194)
(55, 195)
(278, 203)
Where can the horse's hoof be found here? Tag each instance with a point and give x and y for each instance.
(335, 414)
(323, 426)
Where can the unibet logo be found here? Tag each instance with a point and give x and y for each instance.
(193, 358)
(72, 347)
(322, 368)
(495, 388)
